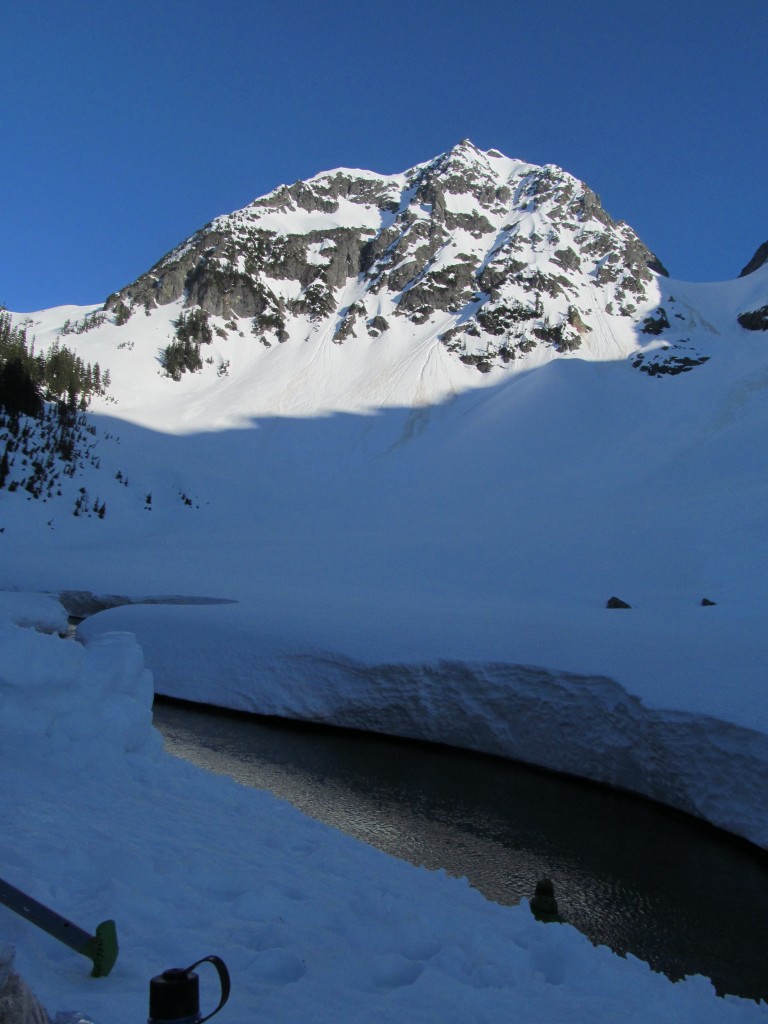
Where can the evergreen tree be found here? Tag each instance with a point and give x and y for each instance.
(57, 374)
(19, 394)
(122, 314)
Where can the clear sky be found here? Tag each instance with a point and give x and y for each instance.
(125, 127)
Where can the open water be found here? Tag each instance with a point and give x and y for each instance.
(628, 873)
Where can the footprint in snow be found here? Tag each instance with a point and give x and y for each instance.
(394, 971)
(278, 966)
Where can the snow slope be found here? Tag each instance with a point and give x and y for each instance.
(408, 544)
(311, 924)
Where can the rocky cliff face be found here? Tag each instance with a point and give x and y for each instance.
(494, 256)
(755, 318)
(758, 260)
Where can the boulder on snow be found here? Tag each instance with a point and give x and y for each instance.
(616, 602)
(706, 602)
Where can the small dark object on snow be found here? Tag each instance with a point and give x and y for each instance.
(706, 602)
(544, 904)
(174, 995)
(616, 602)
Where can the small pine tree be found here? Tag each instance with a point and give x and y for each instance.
(122, 314)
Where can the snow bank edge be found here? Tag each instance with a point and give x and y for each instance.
(586, 726)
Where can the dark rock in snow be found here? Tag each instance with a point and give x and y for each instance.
(657, 323)
(544, 904)
(616, 602)
(754, 319)
(377, 325)
(757, 261)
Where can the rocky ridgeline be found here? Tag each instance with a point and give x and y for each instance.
(494, 256)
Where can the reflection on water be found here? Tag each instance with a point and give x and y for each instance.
(628, 873)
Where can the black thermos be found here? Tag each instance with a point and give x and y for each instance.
(174, 995)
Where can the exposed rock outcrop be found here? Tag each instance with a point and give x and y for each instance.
(516, 255)
(758, 260)
(754, 319)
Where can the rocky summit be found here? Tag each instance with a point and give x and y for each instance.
(500, 260)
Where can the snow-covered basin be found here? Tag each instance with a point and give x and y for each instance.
(670, 707)
(101, 823)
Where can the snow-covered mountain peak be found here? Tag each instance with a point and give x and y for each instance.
(355, 291)
(465, 158)
(480, 259)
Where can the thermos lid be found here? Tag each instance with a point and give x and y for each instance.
(174, 995)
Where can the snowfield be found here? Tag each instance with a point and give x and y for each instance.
(371, 560)
(366, 527)
(311, 924)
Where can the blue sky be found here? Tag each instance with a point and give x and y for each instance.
(127, 127)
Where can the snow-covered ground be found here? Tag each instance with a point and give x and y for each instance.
(375, 534)
(100, 823)
(442, 570)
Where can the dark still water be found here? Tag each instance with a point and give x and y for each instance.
(628, 873)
